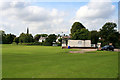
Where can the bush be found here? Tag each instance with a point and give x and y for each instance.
(14, 43)
(33, 43)
(37, 43)
(46, 44)
(59, 44)
(116, 45)
(25, 43)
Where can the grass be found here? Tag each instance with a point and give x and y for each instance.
(54, 62)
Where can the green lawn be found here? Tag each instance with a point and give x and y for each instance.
(54, 62)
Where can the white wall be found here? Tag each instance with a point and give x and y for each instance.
(79, 43)
(87, 43)
(40, 40)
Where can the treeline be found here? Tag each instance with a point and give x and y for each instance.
(28, 39)
(107, 34)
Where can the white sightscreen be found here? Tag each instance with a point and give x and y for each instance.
(79, 43)
(87, 43)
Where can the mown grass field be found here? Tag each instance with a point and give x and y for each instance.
(54, 62)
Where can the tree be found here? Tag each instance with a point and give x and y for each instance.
(94, 37)
(49, 41)
(75, 27)
(44, 35)
(58, 35)
(29, 38)
(25, 38)
(22, 38)
(82, 34)
(109, 34)
(16, 39)
(9, 38)
(2, 37)
(60, 40)
(37, 37)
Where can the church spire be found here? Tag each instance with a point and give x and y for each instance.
(27, 30)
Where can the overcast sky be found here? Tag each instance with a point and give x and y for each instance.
(55, 17)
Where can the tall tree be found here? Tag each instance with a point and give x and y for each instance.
(82, 34)
(25, 38)
(109, 34)
(29, 38)
(22, 38)
(75, 27)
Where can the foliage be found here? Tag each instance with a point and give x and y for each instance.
(37, 37)
(75, 27)
(49, 41)
(37, 43)
(25, 38)
(60, 42)
(9, 38)
(14, 43)
(82, 34)
(44, 35)
(94, 37)
(2, 36)
(109, 34)
(59, 35)
(31, 43)
(16, 39)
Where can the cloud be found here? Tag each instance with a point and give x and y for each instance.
(38, 19)
(18, 10)
(95, 14)
(96, 10)
(16, 16)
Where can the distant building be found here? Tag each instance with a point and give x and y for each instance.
(42, 39)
